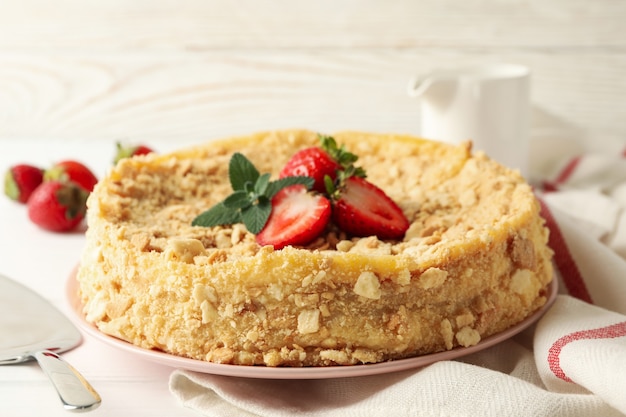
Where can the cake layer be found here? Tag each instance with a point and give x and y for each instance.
(474, 261)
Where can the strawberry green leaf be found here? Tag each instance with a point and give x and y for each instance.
(330, 185)
(74, 199)
(346, 160)
(217, 215)
(122, 152)
(11, 189)
(339, 154)
(241, 171)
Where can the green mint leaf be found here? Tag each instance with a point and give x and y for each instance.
(237, 200)
(241, 171)
(260, 187)
(255, 216)
(217, 215)
(277, 185)
(248, 187)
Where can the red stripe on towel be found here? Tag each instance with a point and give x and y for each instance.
(569, 169)
(554, 360)
(564, 175)
(563, 259)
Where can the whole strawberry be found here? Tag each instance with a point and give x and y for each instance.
(21, 180)
(57, 206)
(129, 151)
(312, 162)
(320, 163)
(74, 171)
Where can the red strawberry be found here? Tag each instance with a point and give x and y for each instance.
(129, 151)
(72, 171)
(363, 209)
(297, 218)
(314, 163)
(57, 206)
(21, 180)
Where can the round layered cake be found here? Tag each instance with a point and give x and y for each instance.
(473, 262)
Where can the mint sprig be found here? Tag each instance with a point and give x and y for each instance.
(251, 200)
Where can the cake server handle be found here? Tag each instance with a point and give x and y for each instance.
(73, 389)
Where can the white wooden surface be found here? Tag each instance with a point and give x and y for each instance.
(75, 76)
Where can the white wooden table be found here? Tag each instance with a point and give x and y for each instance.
(77, 76)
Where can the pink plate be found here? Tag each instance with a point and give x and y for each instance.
(297, 373)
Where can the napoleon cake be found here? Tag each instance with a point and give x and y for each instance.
(463, 254)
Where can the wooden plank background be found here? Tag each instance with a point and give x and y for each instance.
(193, 69)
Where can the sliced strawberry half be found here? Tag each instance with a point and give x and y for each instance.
(297, 218)
(362, 209)
(314, 163)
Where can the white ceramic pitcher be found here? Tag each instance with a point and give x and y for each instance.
(489, 105)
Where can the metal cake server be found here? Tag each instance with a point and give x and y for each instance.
(32, 328)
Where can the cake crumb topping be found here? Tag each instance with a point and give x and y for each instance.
(368, 286)
(473, 262)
